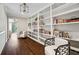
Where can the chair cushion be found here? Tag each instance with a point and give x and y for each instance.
(60, 41)
(50, 50)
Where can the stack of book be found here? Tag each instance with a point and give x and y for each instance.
(73, 20)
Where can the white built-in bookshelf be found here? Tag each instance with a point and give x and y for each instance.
(42, 23)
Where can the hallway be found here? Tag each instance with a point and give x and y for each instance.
(26, 46)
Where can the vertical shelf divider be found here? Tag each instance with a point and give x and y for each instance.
(27, 26)
(38, 24)
(51, 20)
(31, 24)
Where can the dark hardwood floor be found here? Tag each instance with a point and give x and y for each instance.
(26, 46)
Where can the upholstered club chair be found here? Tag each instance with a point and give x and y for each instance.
(56, 46)
(22, 34)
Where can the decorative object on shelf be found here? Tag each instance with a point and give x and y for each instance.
(61, 33)
(29, 25)
(46, 32)
(73, 20)
(41, 30)
(66, 35)
(60, 20)
(56, 33)
(41, 17)
(24, 8)
(55, 20)
(36, 19)
(35, 22)
(49, 32)
(41, 22)
(35, 30)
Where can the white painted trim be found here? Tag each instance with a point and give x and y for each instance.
(62, 6)
(42, 38)
(45, 34)
(70, 11)
(41, 9)
(51, 20)
(70, 23)
(2, 32)
(36, 40)
(75, 39)
(44, 13)
(73, 48)
(38, 24)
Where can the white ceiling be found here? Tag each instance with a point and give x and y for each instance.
(13, 9)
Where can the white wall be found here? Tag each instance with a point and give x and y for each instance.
(21, 24)
(3, 27)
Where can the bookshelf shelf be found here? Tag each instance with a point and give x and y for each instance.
(45, 18)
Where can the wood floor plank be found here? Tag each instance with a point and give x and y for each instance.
(22, 47)
(25, 46)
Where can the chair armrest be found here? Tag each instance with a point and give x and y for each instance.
(50, 41)
(65, 46)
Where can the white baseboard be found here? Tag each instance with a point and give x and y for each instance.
(73, 48)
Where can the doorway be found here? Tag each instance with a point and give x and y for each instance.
(12, 28)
